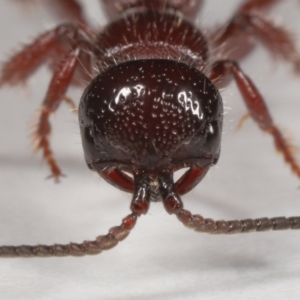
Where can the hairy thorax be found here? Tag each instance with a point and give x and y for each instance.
(151, 35)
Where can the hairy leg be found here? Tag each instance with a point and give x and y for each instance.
(64, 44)
(64, 10)
(59, 84)
(68, 10)
(247, 26)
(257, 108)
(257, 5)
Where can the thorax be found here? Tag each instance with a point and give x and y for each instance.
(151, 35)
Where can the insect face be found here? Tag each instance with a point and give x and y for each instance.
(150, 116)
(151, 107)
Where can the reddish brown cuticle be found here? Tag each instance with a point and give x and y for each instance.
(153, 106)
(129, 221)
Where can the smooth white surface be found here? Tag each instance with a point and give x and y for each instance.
(160, 259)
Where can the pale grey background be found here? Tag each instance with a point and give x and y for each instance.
(161, 259)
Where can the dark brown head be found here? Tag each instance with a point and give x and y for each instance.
(149, 117)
